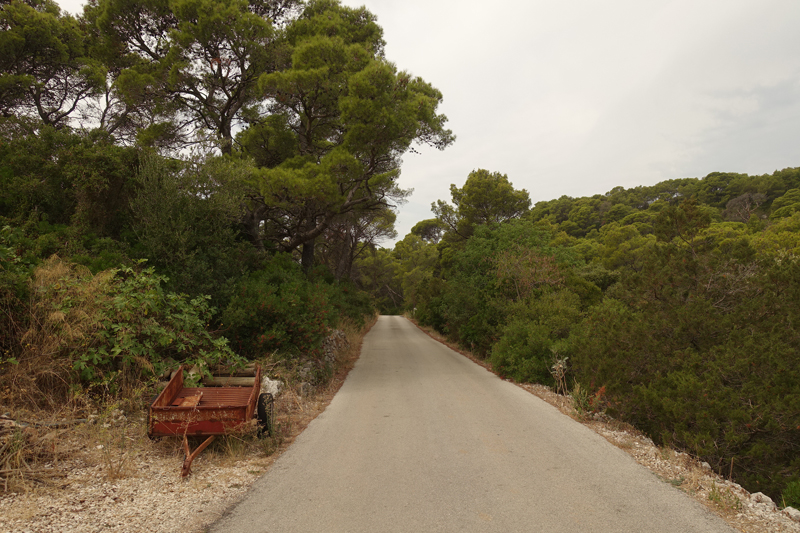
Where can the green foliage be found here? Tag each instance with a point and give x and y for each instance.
(343, 117)
(117, 327)
(416, 264)
(45, 71)
(278, 309)
(488, 275)
(185, 217)
(14, 273)
(486, 198)
(196, 60)
(523, 352)
(378, 277)
(349, 303)
(786, 205)
(101, 253)
(676, 303)
(580, 400)
(790, 497)
(538, 330)
(429, 230)
(701, 351)
(64, 178)
(12, 260)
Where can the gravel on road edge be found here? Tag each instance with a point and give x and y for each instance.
(149, 495)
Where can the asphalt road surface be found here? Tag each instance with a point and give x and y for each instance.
(421, 439)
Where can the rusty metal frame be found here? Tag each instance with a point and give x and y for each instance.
(201, 412)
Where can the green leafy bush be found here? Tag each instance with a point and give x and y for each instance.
(537, 331)
(701, 350)
(14, 272)
(479, 292)
(278, 309)
(791, 495)
(186, 217)
(349, 301)
(523, 353)
(108, 332)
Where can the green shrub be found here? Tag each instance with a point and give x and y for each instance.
(523, 353)
(701, 350)
(348, 301)
(106, 333)
(538, 329)
(278, 309)
(791, 495)
(14, 273)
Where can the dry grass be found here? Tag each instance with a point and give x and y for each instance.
(64, 312)
(30, 455)
(35, 444)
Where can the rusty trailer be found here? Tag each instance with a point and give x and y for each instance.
(207, 412)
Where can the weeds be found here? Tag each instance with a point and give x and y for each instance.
(115, 445)
(580, 400)
(559, 372)
(724, 498)
(29, 455)
(103, 335)
(33, 454)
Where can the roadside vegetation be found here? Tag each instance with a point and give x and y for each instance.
(206, 182)
(187, 183)
(674, 308)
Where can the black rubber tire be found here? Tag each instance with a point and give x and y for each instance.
(265, 412)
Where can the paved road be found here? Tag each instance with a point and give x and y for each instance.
(420, 439)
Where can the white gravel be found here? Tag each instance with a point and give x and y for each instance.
(150, 497)
(742, 510)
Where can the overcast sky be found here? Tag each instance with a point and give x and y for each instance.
(575, 97)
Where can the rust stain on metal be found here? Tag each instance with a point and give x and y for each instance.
(201, 412)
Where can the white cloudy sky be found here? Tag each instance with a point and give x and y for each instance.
(575, 97)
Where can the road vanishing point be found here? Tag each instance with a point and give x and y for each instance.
(421, 439)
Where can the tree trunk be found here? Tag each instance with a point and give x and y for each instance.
(251, 221)
(345, 259)
(307, 260)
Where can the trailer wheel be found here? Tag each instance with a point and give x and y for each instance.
(265, 411)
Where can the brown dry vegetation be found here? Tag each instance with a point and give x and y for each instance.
(41, 379)
(38, 447)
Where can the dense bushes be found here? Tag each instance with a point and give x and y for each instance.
(535, 336)
(185, 218)
(13, 293)
(280, 309)
(277, 308)
(703, 353)
(683, 311)
(106, 333)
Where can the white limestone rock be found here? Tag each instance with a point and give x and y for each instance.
(764, 500)
(272, 386)
(792, 513)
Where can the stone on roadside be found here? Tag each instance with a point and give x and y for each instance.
(792, 513)
(272, 386)
(763, 499)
